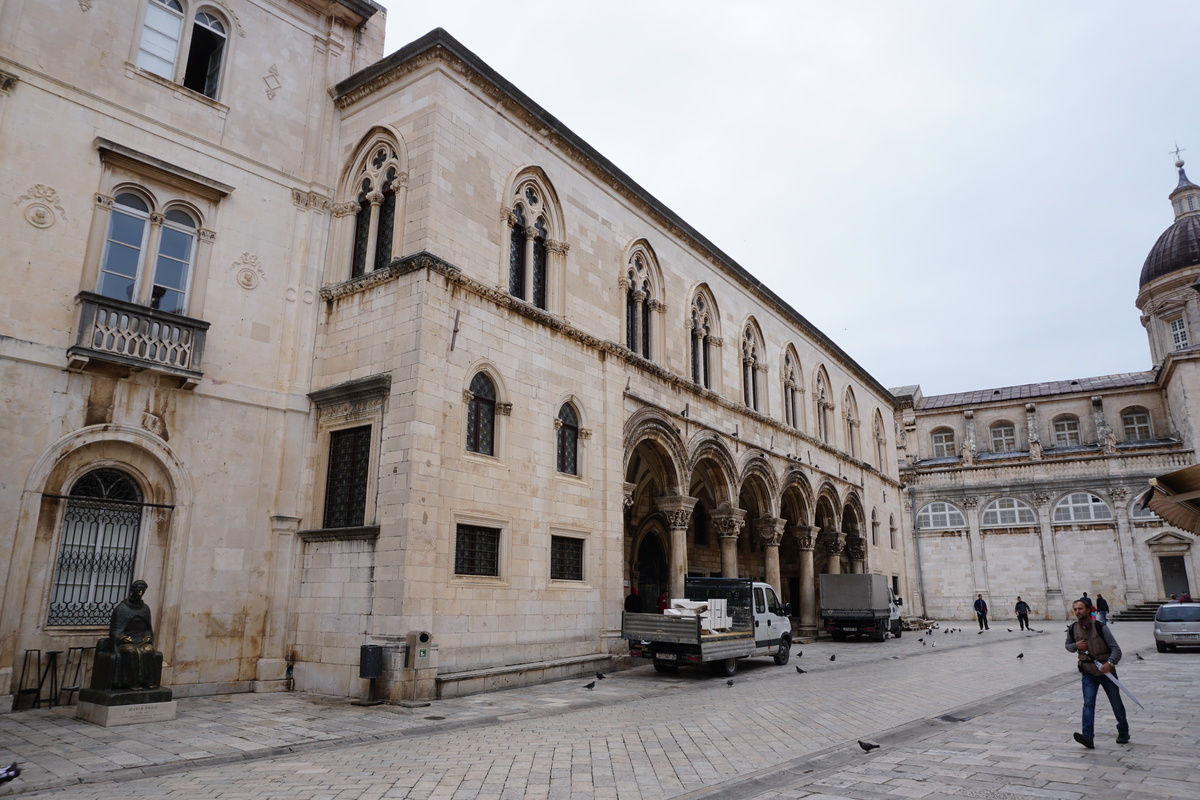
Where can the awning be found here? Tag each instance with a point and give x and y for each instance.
(1176, 498)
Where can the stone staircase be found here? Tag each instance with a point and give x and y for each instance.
(1143, 612)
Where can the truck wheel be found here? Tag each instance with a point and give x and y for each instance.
(880, 633)
(665, 668)
(785, 651)
(838, 636)
(1162, 648)
(897, 629)
(726, 668)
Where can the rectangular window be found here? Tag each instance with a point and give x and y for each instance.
(1004, 439)
(1066, 433)
(160, 40)
(346, 477)
(1179, 334)
(943, 444)
(477, 551)
(566, 558)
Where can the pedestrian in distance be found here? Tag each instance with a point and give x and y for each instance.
(633, 603)
(664, 602)
(1022, 609)
(981, 611)
(1098, 654)
(1102, 608)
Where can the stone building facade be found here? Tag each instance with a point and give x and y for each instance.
(335, 349)
(1036, 490)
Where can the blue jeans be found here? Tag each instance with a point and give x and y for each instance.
(1103, 616)
(1091, 684)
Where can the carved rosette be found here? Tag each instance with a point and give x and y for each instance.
(41, 203)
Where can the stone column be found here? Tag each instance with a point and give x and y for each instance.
(678, 511)
(833, 544)
(806, 538)
(770, 531)
(1054, 596)
(856, 546)
(636, 343)
(400, 187)
(729, 523)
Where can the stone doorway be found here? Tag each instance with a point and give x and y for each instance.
(1174, 575)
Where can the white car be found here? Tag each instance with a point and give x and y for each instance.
(1177, 624)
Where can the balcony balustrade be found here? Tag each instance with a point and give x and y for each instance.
(137, 337)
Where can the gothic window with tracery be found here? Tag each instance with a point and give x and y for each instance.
(824, 407)
(481, 416)
(378, 183)
(702, 334)
(852, 423)
(529, 235)
(751, 353)
(791, 391)
(638, 304)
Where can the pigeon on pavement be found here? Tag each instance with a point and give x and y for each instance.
(1010, 630)
(591, 685)
(599, 676)
(1138, 656)
(800, 671)
(867, 746)
(833, 657)
(1020, 655)
(729, 682)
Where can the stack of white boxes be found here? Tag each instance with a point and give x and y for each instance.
(714, 614)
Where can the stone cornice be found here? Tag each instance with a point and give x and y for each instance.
(438, 46)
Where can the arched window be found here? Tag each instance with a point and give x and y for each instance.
(892, 531)
(162, 37)
(379, 181)
(850, 417)
(874, 528)
(1135, 422)
(126, 271)
(1004, 437)
(530, 224)
(97, 550)
(824, 407)
(880, 436)
(939, 515)
(1008, 512)
(568, 440)
(791, 389)
(481, 416)
(1081, 507)
(751, 358)
(1066, 431)
(702, 334)
(943, 443)
(639, 301)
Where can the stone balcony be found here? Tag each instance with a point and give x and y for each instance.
(136, 337)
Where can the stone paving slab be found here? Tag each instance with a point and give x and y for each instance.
(636, 735)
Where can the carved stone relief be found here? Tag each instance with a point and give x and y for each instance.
(271, 79)
(41, 203)
(249, 271)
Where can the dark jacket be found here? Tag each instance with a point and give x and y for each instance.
(980, 606)
(1022, 608)
(1101, 604)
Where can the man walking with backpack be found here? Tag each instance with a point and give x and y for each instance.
(1098, 654)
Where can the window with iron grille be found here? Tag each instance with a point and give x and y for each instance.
(346, 477)
(477, 551)
(568, 440)
(481, 416)
(566, 558)
(97, 550)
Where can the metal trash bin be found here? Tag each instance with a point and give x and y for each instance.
(370, 661)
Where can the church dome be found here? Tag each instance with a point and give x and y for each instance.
(1179, 245)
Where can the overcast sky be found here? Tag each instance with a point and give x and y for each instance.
(960, 194)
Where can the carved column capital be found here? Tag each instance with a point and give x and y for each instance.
(770, 530)
(856, 547)
(559, 248)
(729, 522)
(678, 509)
(504, 409)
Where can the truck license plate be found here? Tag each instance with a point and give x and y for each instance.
(850, 629)
(665, 656)
(1187, 636)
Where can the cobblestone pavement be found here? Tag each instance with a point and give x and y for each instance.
(964, 718)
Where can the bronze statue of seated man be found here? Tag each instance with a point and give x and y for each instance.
(127, 659)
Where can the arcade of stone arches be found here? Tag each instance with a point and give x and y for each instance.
(701, 508)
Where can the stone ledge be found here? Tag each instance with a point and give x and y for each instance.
(458, 684)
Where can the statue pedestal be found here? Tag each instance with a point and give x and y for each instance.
(109, 708)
